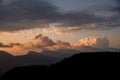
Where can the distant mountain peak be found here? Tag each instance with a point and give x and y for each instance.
(32, 52)
(46, 51)
(83, 63)
(3, 53)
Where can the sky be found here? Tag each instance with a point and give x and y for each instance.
(38, 25)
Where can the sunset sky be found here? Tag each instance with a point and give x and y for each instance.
(37, 25)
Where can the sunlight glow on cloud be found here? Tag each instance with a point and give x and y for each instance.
(45, 42)
(93, 42)
(42, 24)
(41, 43)
(57, 29)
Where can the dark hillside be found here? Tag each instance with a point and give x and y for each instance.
(78, 65)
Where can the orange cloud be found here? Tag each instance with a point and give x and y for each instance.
(60, 45)
(58, 29)
(92, 42)
(41, 42)
(15, 50)
(44, 42)
(89, 41)
(45, 30)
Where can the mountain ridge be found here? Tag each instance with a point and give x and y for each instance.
(91, 63)
(8, 61)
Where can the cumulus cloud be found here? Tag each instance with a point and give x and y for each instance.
(42, 41)
(45, 43)
(59, 45)
(92, 42)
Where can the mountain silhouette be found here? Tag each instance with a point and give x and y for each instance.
(60, 53)
(8, 61)
(81, 64)
(3, 53)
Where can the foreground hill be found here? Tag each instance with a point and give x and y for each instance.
(8, 61)
(79, 64)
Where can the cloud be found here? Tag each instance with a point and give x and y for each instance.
(24, 14)
(16, 50)
(70, 30)
(78, 19)
(27, 14)
(10, 45)
(15, 44)
(62, 44)
(118, 1)
(1, 1)
(4, 46)
(92, 42)
(88, 20)
(42, 41)
(60, 30)
(59, 45)
(45, 30)
(102, 42)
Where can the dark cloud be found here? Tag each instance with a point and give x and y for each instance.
(1, 1)
(108, 8)
(20, 13)
(43, 41)
(78, 19)
(118, 1)
(26, 14)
